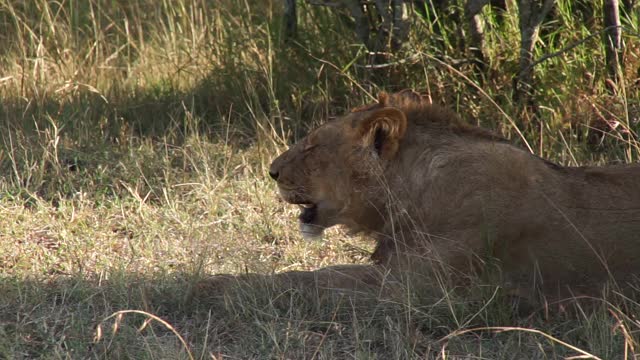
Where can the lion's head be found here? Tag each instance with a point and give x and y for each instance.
(329, 172)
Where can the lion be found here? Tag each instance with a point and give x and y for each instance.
(435, 192)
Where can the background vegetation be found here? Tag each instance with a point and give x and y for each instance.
(134, 142)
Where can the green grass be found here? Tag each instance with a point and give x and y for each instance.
(135, 137)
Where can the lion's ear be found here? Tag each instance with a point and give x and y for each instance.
(382, 131)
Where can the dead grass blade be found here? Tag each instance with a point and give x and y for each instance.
(119, 315)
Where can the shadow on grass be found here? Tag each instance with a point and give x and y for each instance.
(66, 316)
(72, 316)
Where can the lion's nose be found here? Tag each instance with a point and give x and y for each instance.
(273, 174)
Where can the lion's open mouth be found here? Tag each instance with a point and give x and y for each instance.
(312, 218)
(309, 227)
(308, 213)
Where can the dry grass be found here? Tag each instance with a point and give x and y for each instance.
(134, 142)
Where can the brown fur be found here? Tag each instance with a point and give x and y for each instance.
(436, 192)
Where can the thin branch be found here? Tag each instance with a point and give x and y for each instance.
(413, 59)
(325, 3)
(546, 8)
(570, 47)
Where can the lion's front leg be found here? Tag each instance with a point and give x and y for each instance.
(371, 280)
(340, 278)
